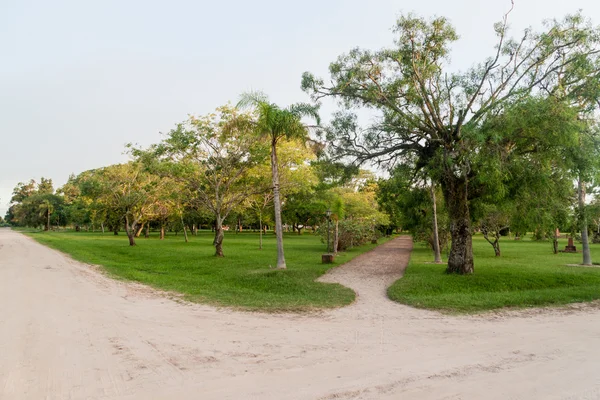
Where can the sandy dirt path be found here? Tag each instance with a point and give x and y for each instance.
(68, 332)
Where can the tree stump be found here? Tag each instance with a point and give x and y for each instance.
(570, 247)
(327, 258)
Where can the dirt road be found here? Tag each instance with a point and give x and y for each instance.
(68, 332)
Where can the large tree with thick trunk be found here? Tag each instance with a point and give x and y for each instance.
(429, 116)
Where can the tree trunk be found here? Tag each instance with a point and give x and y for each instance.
(218, 241)
(277, 206)
(496, 245)
(437, 257)
(184, 229)
(460, 260)
(260, 234)
(102, 226)
(336, 236)
(162, 231)
(585, 244)
(147, 232)
(139, 231)
(130, 230)
(47, 227)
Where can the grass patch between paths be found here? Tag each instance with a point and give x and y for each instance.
(241, 279)
(526, 275)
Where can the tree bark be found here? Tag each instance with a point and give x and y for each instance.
(277, 206)
(139, 231)
(147, 232)
(184, 229)
(460, 260)
(260, 234)
(218, 241)
(162, 231)
(130, 230)
(102, 226)
(437, 257)
(585, 243)
(336, 236)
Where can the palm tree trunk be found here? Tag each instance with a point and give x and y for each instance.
(277, 206)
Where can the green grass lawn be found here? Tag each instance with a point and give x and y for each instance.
(241, 279)
(527, 274)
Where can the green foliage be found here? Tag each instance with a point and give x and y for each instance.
(410, 206)
(241, 279)
(357, 215)
(527, 275)
(463, 128)
(34, 205)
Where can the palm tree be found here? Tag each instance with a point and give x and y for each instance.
(274, 123)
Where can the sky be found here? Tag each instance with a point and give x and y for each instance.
(80, 79)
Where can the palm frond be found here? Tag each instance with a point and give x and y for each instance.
(252, 99)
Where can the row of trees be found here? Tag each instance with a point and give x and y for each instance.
(257, 166)
(495, 147)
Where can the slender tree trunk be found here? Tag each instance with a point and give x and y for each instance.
(336, 236)
(277, 206)
(102, 226)
(436, 240)
(139, 231)
(218, 241)
(260, 231)
(460, 260)
(162, 231)
(496, 245)
(147, 232)
(184, 229)
(585, 244)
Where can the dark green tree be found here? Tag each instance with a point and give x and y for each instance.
(431, 117)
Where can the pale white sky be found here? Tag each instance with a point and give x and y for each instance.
(79, 79)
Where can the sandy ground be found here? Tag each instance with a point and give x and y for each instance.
(68, 332)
